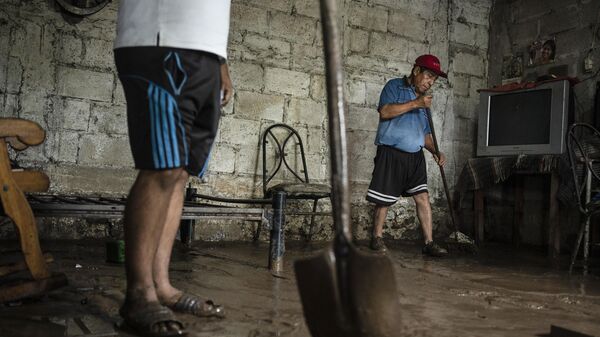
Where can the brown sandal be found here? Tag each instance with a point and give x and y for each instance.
(145, 321)
(193, 305)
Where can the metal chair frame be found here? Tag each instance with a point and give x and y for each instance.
(281, 160)
(583, 183)
(280, 152)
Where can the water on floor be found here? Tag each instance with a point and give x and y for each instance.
(499, 292)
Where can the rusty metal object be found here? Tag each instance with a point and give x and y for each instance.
(49, 205)
(82, 7)
(277, 238)
(344, 291)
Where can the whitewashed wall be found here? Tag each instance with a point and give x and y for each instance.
(61, 74)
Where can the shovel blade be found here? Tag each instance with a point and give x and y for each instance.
(368, 308)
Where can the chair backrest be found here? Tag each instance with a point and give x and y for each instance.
(583, 147)
(284, 140)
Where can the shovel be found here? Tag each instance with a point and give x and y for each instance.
(344, 291)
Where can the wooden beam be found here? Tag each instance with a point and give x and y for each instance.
(17, 208)
(26, 132)
(20, 265)
(553, 218)
(518, 210)
(31, 181)
(32, 288)
(478, 215)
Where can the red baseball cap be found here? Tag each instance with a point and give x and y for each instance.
(432, 63)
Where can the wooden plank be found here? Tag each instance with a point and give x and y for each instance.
(26, 132)
(553, 219)
(518, 210)
(17, 208)
(31, 181)
(20, 265)
(32, 288)
(478, 216)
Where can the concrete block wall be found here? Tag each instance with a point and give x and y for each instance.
(574, 25)
(60, 73)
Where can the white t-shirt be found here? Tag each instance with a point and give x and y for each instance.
(190, 24)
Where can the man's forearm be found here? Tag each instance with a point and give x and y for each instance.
(429, 144)
(392, 110)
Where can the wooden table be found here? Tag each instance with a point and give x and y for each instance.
(551, 230)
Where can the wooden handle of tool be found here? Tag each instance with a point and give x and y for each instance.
(442, 173)
(337, 129)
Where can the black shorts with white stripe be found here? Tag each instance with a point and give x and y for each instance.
(396, 173)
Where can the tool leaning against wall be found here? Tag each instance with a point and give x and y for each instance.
(456, 240)
(341, 300)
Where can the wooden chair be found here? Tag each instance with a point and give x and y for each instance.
(20, 134)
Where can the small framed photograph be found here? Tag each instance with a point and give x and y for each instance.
(542, 51)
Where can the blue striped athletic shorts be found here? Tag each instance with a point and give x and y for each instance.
(397, 173)
(173, 106)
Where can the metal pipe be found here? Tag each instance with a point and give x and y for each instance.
(265, 201)
(277, 239)
(586, 232)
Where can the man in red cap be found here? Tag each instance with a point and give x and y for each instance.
(400, 164)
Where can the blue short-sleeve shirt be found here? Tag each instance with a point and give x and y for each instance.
(405, 132)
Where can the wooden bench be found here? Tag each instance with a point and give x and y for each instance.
(20, 134)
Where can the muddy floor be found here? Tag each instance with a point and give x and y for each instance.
(499, 292)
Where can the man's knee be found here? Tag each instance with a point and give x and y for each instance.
(165, 178)
(381, 208)
(421, 199)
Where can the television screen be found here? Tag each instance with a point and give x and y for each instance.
(528, 121)
(520, 118)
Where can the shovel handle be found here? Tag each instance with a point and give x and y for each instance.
(442, 173)
(337, 128)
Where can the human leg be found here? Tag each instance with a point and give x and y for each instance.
(162, 109)
(425, 218)
(144, 223)
(424, 214)
(198, 105)
(167, 294)
(160, 272)
(418, 190)
(379, 220)
(384, 190)
(377, 229)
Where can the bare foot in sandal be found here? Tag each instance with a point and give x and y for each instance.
(151, 319)
(190, 304)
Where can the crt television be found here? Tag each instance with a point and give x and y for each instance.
(525, 121)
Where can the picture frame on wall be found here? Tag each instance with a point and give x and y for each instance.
(542, 51)
(512, 68)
